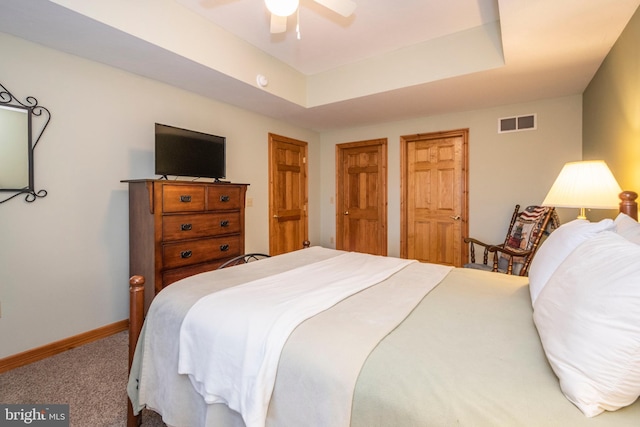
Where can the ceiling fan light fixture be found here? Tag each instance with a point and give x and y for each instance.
(282, 7)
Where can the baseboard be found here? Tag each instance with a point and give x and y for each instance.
(57, 347)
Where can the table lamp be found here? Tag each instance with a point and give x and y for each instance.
(586, 184)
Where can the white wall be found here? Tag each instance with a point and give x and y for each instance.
(64, 259)
(504, 169)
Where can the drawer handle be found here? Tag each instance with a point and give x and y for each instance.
(225, 198)
(224, 248)
(185, 227)
(185, 199)
(185, 254)
(224, 223)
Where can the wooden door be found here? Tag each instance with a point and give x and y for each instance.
(361, 202)
(288, 220)
(434, 197)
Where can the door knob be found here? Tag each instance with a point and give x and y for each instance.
(346, 212)
(456, 218)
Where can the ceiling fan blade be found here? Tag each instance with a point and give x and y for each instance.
(342, 7)
(278, 24)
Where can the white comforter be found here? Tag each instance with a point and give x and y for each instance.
(467, 354)
(230, 341)
(341, 339)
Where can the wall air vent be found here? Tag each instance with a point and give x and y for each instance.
(516, 124)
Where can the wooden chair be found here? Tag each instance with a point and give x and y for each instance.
(243, 259)
(521, 243)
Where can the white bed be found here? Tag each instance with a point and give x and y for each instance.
(467, 353)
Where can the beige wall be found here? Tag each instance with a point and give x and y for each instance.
(504, 169)
(612, 109)
(64, 263)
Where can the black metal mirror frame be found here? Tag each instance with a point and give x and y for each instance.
(42, 116)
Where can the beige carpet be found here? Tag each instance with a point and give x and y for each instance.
(91, 379)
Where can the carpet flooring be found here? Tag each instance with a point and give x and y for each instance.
(92, 379)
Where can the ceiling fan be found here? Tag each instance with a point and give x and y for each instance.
(281, 9)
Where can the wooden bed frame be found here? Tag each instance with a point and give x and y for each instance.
(628, 205)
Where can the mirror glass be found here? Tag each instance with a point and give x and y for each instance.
(15, 149)
(22, 123)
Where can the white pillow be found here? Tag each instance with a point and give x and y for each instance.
(588, 319)
(628, 228)
(557, 246)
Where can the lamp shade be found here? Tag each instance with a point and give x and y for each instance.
(282, 7)
(587, 184)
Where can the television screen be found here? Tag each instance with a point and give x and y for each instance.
(185, 152)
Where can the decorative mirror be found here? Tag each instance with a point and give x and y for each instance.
(19, 122)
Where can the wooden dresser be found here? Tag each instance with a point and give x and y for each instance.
(181, 228)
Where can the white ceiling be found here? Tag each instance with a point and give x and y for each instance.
(329, 40)
(545, 48)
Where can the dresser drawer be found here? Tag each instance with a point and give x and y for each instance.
(175, 274)
(179, 254)
(191, 226)
(183, 198)
(222, 197)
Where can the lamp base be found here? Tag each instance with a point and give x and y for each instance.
(582, 214)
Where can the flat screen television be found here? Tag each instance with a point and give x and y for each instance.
(183, 152)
